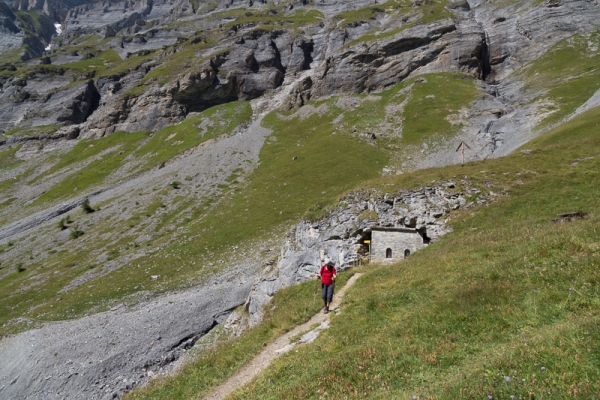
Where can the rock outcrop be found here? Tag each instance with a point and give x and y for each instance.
(66, 106)
(340, 236)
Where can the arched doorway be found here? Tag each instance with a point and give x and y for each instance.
(388, 253)
(406, 253)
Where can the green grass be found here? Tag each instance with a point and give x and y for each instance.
(443, 94)
(32, 131)
(263, 19)
(175, 139)
(508, 294)
(116, 148)
(364, 14)
(8, 159)
(290, 307)
(276, 195)
(424, 118)
(568, 75)
(429, 12)
(149, 149)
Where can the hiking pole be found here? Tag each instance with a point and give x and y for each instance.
(315, 294)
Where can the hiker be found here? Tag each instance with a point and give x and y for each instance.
(327, 276)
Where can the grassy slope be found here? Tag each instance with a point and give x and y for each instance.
(567, 75)
(151, 152)
(424, 13)
(266, 203)
(508, 294)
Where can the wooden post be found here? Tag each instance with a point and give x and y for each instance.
(462, 146)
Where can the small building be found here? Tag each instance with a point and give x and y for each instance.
(389, 245)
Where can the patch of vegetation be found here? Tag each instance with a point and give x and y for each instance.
(32, 131)
(272, 17)
(208, 124)
(368, 215)
(364, 14)
(421, 107)
(419, 12)
(63, 224)
(8, 159)
(85, 206)
(175, 184)
(432, 101)
(568, 75)
(76, 233)
(114, 148)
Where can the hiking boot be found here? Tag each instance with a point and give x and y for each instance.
(326, 310)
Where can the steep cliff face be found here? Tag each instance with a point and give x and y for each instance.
(340, 49)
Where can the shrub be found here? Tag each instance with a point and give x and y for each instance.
(62, 225)
(76, 233)
(20, 267)
(175, 185)
(85, 206)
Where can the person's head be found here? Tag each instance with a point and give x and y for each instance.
(329, 264)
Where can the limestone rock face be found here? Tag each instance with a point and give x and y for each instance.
(30, 35)
(520, 33)
(71, 105)
(487, 41)
(442, 46)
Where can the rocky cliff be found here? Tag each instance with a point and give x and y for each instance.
(340, 236)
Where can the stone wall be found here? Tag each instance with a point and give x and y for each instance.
(398, 240)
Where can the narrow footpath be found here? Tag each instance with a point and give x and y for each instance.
(280, 346)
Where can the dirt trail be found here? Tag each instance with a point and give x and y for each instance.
(280, 346)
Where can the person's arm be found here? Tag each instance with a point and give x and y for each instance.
(334, 274)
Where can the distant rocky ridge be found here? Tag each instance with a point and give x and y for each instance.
(484, 40)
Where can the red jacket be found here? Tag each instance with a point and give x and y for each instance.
(327, 275)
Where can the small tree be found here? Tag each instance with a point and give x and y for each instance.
(175, 185)
(85, 206)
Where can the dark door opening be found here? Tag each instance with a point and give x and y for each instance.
(388, 253)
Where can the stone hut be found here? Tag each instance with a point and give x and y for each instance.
(389, 245)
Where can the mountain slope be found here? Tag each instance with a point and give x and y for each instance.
(200, 132)
(506, 305)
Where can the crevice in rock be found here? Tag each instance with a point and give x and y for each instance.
(484, 56)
